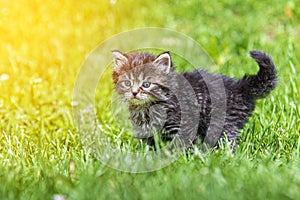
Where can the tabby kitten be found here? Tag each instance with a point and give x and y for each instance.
(180, 105)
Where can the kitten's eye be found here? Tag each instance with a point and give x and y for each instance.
(146, 84)
(127, 83)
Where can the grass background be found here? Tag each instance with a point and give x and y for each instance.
(44, 43)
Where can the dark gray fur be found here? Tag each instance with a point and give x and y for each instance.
(164, 114)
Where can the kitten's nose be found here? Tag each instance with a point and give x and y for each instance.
(134, 93)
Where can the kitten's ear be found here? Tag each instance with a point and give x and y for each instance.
(164, 62)
(119, 60)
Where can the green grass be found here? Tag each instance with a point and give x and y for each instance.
(44, 43)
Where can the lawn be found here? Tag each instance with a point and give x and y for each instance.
(42, 48)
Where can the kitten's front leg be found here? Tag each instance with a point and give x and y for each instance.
(185, 140)
(149, 141)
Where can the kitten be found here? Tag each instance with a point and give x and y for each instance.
(180, 105)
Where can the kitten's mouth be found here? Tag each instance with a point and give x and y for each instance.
(136, 100)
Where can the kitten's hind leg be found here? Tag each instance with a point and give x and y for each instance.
(194, 145)
(182, 143)
(227, 137)
(232, 138)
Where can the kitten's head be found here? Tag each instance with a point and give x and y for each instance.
(142, 78)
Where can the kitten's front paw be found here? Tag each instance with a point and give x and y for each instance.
(191, 150)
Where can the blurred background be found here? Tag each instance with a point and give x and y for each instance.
(45, 42)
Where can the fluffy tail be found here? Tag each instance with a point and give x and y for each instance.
(261, 84)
